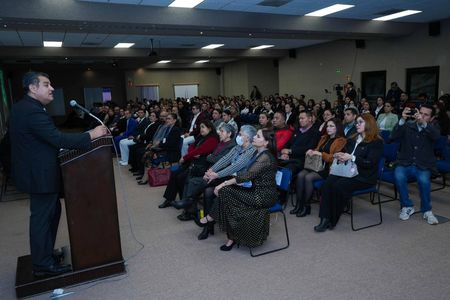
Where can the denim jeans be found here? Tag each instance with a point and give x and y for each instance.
(402, 173)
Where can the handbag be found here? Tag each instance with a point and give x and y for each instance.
(344, 169)
(314, 163)
(158, 177)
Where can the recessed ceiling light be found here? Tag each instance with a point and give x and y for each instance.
(164, 61)
(329, 10)
(124, 45)
(202, 61)
(213, 46)
(262, 47)
(52, 44)
(398, 15)
(185, 3)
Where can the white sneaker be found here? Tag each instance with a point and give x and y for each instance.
(123, 163)
(405, 213)
(431, 219)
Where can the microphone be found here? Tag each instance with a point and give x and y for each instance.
(74, 104)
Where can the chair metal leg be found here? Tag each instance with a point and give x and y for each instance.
(278, 249)
(368, 226)
(391, 198)
(443, 186)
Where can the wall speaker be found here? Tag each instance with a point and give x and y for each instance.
(218, 71)
(292, 53)
(434, 28)
(360, 44)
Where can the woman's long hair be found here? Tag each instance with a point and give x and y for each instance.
(269, 136)
(372, 132)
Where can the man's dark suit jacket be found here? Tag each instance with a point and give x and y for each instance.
(35, 143)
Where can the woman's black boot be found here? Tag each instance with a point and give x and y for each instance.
(304, 212)
(296, 209)
(206, 232)
(323, 226)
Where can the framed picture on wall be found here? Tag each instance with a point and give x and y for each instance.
(373, 85)
(422, 80)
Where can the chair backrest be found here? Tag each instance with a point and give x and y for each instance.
(285, 180)
(390, 151)
(440, 147)
(385, 134)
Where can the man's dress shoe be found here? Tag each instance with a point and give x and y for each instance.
(52, 270)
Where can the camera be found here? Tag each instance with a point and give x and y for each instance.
(412, 112)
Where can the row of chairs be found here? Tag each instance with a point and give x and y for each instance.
(442, 149)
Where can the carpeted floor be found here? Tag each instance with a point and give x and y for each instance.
(397, 260)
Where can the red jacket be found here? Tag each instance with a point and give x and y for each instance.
(282, 136)
(205, 148)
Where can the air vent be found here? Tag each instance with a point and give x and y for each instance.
(274, 3)
(187, 45)
(388, 12)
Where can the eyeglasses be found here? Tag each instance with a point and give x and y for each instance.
(360, 122)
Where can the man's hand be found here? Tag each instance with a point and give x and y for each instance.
(405, 113)
(98, 132)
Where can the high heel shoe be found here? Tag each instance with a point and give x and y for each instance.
(304, 212)
(323, 226)
(227, 248)
(208, 230)
(140, 182)
(200, 224)
(296, 209)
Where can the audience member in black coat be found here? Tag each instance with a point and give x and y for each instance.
(365, 150)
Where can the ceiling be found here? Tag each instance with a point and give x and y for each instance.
(90, 28)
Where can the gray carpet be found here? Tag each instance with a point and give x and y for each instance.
(397, 260)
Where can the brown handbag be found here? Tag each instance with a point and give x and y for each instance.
(314, 163)
(158, 177)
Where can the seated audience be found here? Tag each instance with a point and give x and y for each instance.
(137, 150)
(290, 117)
(380, 107)
(229, 165)
(204, 144)
(306, 137)
(365, 149)
(264, 121)
(228, 119)
(124, 144)
(217, 118)
(387, 120)
(243, 213)
(283, 132)
(416, 158)
(327, 115)
(350, 115)
(168, 149)
(194, 127)
(129, 129)
(330, 143)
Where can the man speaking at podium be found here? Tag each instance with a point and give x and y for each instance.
(35, 143)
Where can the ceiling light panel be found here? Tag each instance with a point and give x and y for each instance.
(398, 15)
(202, 61)
(185, 3)
(164, 61)
(329, 10)
(213, 46)
(124, 45)
(55, 44)
(262, 47)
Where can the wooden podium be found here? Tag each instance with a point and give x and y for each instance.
(91, 208)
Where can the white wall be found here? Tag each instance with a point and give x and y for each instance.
(236, 79)
(241, 76)
(207, 79)
(314, 69)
